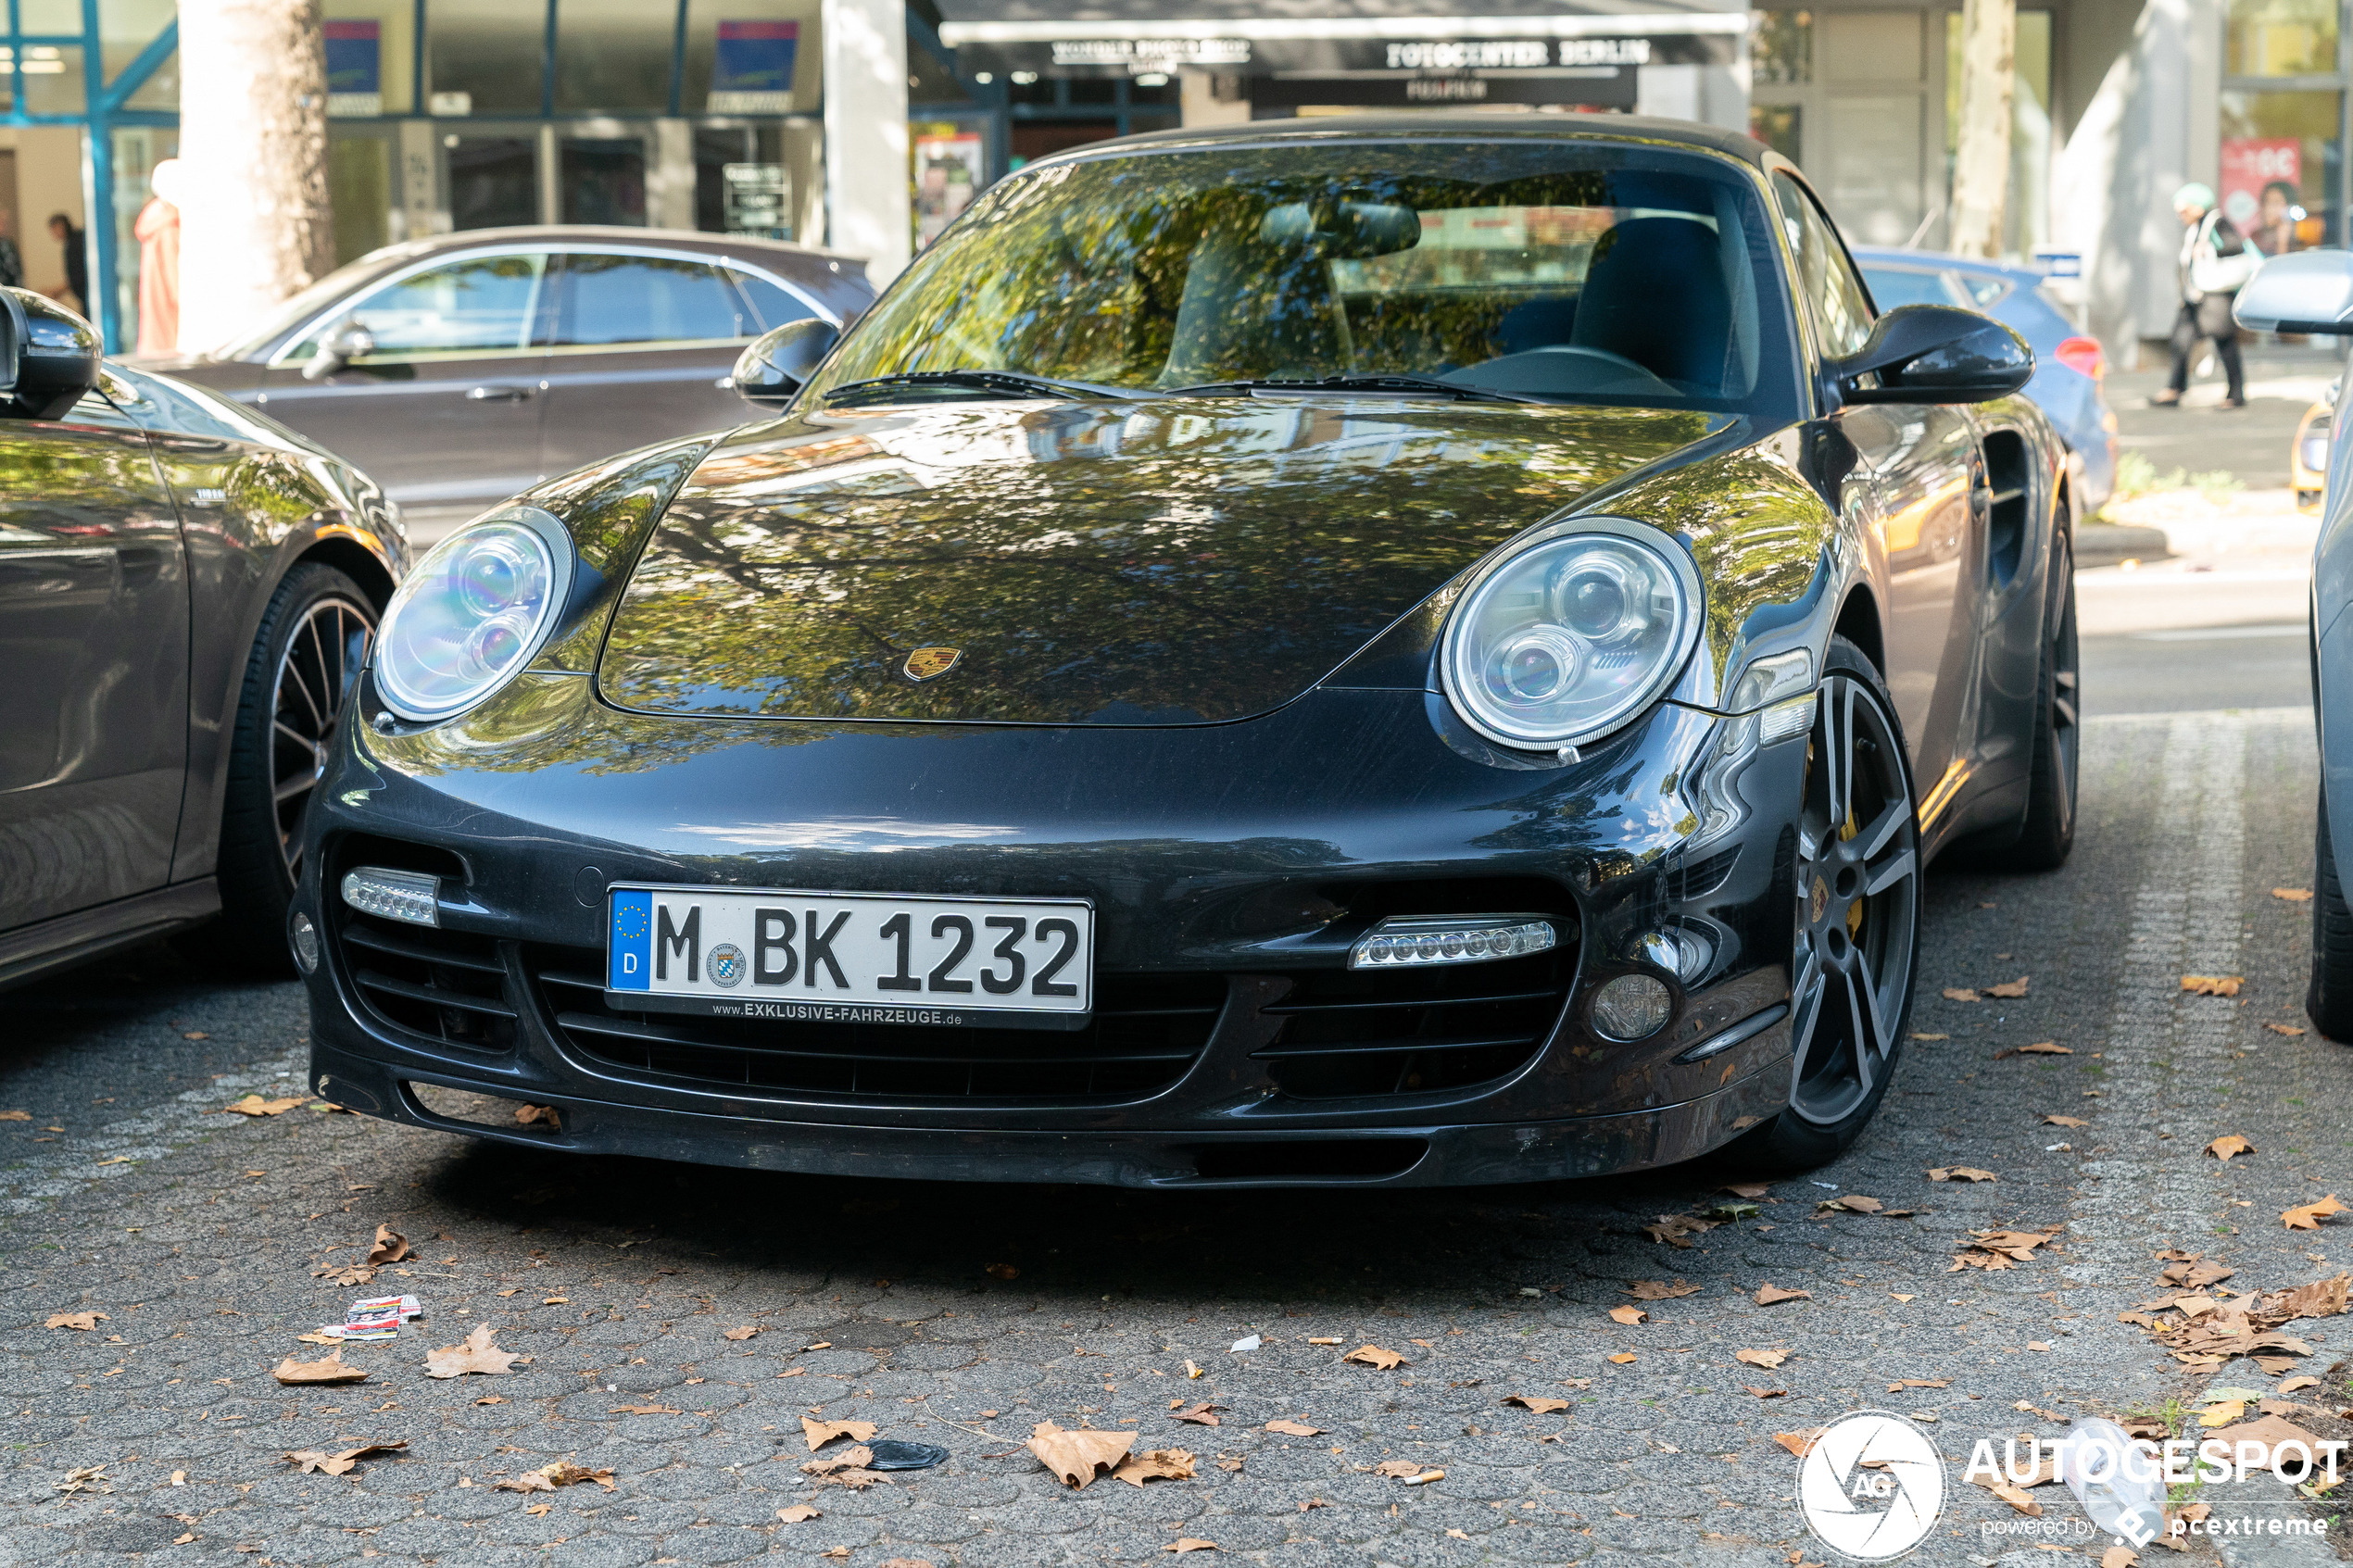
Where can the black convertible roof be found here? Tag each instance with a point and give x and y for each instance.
(1417, 126)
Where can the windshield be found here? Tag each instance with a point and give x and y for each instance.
(1562, 270)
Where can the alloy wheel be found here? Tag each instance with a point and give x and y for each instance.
(314, 680)
(1857, 903)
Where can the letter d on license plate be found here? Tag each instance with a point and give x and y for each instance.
(851, 958)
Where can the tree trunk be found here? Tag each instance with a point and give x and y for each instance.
(1982, 171)
(254, 222)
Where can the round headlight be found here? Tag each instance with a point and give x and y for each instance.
(1571, 633)
(472, 612)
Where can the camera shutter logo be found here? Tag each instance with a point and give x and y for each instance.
(1870, 1487)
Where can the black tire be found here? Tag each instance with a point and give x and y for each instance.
(2048, 836)
(1847, 1036)
(306, 660)
(2328, 1001)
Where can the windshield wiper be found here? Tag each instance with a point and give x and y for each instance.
(1394, 383)
(996, 383)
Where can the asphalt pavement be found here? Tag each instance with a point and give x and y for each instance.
(963, 1315)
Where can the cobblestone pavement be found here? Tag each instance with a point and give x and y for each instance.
(129, 1194)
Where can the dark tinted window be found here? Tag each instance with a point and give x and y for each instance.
(646, 299)
(775, 305)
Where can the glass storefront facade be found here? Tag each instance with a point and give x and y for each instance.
(2284, 121)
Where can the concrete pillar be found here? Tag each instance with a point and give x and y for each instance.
(420, 210)
(1198, 103)
(669, 175)
(867, 201)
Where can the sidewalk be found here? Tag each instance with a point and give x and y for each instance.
(2244, 559)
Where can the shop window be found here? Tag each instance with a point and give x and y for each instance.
(371, 57)
(750, 57)
(125, 28)
(2280, 38)
(494, 180)
(1781, 49)
(613, 55)
(604, 179)
(2280, 154)
(49, 74)
(616, 299)
(359, 181)
(742, 185)
(482, 57)
(1779, 127)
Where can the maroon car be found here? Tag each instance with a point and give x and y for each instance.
(458, 370)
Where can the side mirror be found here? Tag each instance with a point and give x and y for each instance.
(2305, 291)
(771, 371)
(343, 341)
(1936, 354)
(51, 359)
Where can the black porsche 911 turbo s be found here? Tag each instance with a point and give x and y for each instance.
(187, 593)
(1398, 651)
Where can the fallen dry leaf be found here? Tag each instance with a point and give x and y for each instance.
(1901, 1296)
(1076, 1456)
(1961, 1174)
(328, 1369)
(2067, 1120)
(2010, 990)
(1542, 1404)
(548, 1477)
(2213, 985)
(2290, 1030)
(1852, 1202)
(540, 1115)
(1799, 1441)
(1002, 1271)
(1627, 1314)
(637, 1410)
(1624, 1358)
(2293, 895)
(1203, 1414)
(1374, 1356)
(1675, 1229)
(1656, 1290)
(820, 1433)
(2228, 1143)
(253, 1105)
(1155, 1464)
(1747, 1189)
(1769, 1293)
(1768, 1360)
(1190, 1543)
(2307, 1217)
(1294, 1429)
(2040, 1048)
(798, 1513)
(15, 1115)
(2018, 1498)
(85, 1321)
(1918, 1036)
(1766, 1393)
(2268, 1431)
(473, 1354)
(391, 1247)
(1960, 994)
(740, 1335)
(1398, 1469)
(310, 1460)
(2118, 1555)
(1898, 1386)
(856, 1457)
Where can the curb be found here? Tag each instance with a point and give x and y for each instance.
(2106, 544)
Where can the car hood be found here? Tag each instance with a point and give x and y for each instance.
(1175, 561)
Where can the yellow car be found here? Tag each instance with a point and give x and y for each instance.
(2307, 460)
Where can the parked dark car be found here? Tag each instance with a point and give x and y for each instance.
(186, 595)
(1377, 650)
(461, 368)
(2071, 371)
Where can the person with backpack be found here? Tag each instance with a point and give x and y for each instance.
(2215, 262)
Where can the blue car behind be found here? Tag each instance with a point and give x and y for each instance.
(2068, 365)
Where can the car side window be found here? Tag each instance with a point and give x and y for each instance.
(616, 299)
(1891, 286)
(1842, 310)
(476, 304)
(773, 305)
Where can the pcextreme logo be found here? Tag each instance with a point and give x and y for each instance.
(1870, 1487)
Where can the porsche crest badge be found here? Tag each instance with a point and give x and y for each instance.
(930, 664)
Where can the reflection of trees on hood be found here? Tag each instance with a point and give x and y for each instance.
(1171, 561)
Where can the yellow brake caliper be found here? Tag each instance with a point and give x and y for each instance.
(1855, 911)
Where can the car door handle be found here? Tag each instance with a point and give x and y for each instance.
(497, 395)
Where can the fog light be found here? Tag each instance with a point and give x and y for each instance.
(404, 896)
(1420, 941)
(1632, 1007)
(304, 938)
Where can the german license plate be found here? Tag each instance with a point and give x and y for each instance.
(851, 958)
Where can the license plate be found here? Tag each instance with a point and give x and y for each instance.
(851, 957)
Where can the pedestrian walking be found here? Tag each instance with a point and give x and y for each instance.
(2215, 262)
(11, 258)
(77, 259)
(157, 232)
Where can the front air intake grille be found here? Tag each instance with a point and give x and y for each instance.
(1350, 1032)
(1146, 1031)
(447, 986)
